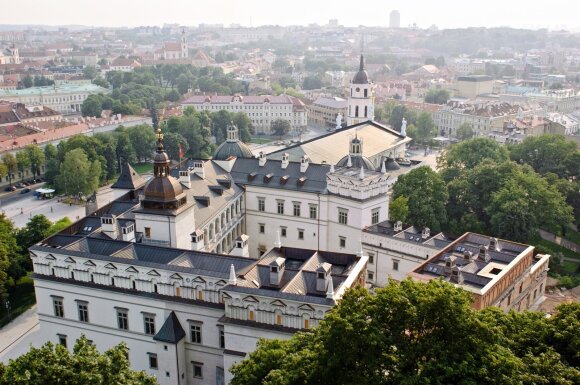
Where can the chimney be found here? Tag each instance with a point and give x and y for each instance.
(426, 233)
(241, 248)
(277, 271)
(197, 240)
(184, 178)
(331, 168)
(261, 159)
(322, 275)
(449, 264)
(398, 226)
(285, 160)
(128, 232)
(467, 255)
(198, 169)
(456, 275)
(109, 225)
(494, 244)
(484, 254)
(233, 280)
(304, 164)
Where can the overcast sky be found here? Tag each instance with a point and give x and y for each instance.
(553, 14)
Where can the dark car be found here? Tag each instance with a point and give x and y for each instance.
(10, 188)
(26, 183)
(25, 190)
(19, 185)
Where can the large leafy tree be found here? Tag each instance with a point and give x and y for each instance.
(23, 162)
(142, 139)
(78, 175)
(54, 364)
(420, 333)
(36, 157)
(37, 228)
(427, 195)
(281, 127)
(11, 164)
(548, 153)
(426, 129)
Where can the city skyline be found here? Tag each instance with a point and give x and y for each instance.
(454, 14)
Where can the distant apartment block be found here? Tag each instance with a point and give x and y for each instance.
(324, 110)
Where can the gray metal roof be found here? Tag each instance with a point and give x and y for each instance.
(249, 172)
(171, 331)
(129, 178)
(228, 149)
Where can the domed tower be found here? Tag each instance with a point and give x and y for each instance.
(355, 157)
(163, 196)
(361, 98)
(233, 146)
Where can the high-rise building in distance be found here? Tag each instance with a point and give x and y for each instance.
(395, 19)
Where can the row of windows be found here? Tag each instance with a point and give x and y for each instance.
(149, 327)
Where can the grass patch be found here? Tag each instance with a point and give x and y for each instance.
(21, 299)
(143, 168)
(555, 248)
(570, 267)
(260, 140)
(572, 236)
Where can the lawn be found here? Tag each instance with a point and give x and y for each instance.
(555, 248)
(21, 299)
(143, 168)
(260, 140)
(572, 236)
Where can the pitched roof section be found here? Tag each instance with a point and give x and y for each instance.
(129, 178)
(171, 331)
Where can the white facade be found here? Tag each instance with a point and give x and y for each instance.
(361, 97)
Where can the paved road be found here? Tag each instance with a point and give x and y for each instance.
(18, 335)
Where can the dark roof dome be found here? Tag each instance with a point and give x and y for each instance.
(361, 77)
(233, 146)
(391, 165)
(163, 189)
(356, 162)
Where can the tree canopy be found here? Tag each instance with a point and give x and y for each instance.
(420, 333)
(54, 364)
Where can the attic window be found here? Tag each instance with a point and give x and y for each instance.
(321, 275)
(251, 176)
(274, 269)
(268, 178)
(301, 181)
(87, 228)
(284, 179)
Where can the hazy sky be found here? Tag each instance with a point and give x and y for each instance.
(444, 13)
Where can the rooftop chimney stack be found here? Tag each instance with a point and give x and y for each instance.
(426, 233)
(261, 159)
(277, 271)
(484, 254)
(322, 275)
(198, 169)
(304, 164)
(285, 160)
(184, 178)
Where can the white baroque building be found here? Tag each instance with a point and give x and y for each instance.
(361, 97)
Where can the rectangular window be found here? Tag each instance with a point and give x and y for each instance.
(262, 228)
(222, 337)
(83, 308)
(197, 370)
(261, 204)
(300, 234)
(375, 216)
(342, 216)
(280, 206)
(195, 332)
(152, 360)
(342, 242)
(62, 339)
(283, 231)
(371, 258)
(371, 276)
(395, 265)
(296, 209)
(149, 323)
(58, 307)
(147, 232)
(313, 212)
(122, 319)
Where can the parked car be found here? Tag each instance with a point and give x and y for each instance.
(19, 185)
(25, 190)
(26, 183)
(10, 188)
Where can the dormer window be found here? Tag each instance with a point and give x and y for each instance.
(321, 275)
(274, 269)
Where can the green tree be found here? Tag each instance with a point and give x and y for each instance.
(49, 151)
(8, 252)
(27, 82)
(399, 209)
(439, 96)
(427, 195)
(92, 106)
(142, 139)
(54, 364)
(99, 81)
(90, 72)
(548, 153)
(464, 132)
(171, 142)
(59, 225)
(312, 83)
(125, 149)
(36, 156)
(77, 174)
(23, 162)
(426, 129)
(35, 230)
(280, 127)
(11, 164)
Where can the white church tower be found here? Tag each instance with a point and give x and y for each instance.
(361, 98)
(184, 50)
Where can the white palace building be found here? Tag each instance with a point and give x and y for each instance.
(191, 267)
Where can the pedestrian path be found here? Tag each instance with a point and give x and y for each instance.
(17, 334)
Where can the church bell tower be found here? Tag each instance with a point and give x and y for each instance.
(361, 97)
